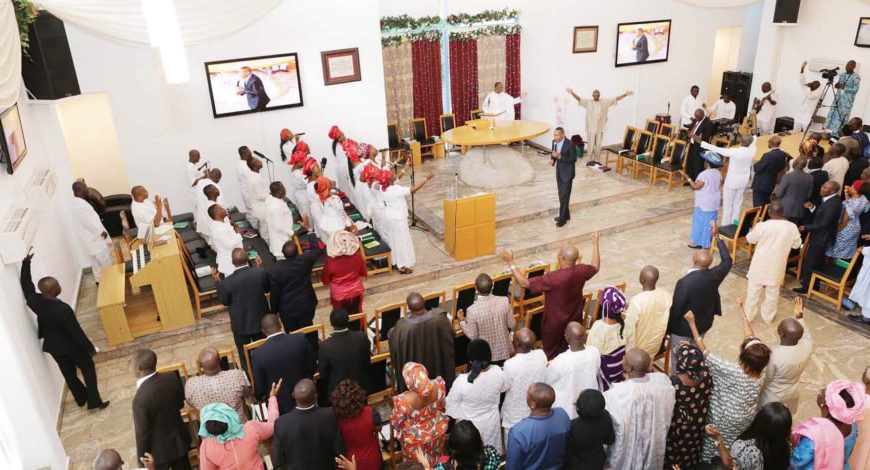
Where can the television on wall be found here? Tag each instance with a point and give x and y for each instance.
(13, 147)
(642, 42)
(254, 84)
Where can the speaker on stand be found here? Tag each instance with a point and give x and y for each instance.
(786, 11)
(49, 73)
(737, 85)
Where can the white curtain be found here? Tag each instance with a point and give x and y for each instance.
(122, 20)
(718, 3)
(10, 56)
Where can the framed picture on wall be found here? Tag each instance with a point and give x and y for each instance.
(340, 66)
(642, 42)
(585, 39)
(862, 37)
(13, 148)
(254, 84)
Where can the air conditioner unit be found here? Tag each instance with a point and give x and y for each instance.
(40, 187)
(17, 230)
(817, 64)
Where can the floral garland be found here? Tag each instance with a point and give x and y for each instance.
(483, 17)
(494, 30)
(406, 22)
(25, 15)
(399, 29)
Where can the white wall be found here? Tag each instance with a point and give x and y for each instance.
(548, 65)
(825, 30)
(32, 398)
(158, 123)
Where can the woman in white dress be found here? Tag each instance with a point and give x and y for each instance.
(475, 395)
(257, 194)
(315, 207)
(298, 181)
(362, 176)
(342, 163)
(333, 218)
(395, 222)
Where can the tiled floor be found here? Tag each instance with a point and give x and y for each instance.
(647, 226)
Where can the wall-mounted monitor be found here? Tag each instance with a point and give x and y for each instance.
(642, 42)
(13, 147)
(254, 84)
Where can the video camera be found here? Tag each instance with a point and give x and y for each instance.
(829, 74)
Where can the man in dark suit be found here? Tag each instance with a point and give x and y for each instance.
(307, 437)
(767, 172)
(252, 87)
(640, 46)
(345, 355)
(564, 157)
(698, 291)
(822, 230)
(820, 177)
(795, 189)
(157, 422)
(703, 127)
(293, 297)
(62, 337)
(283, 356)
(244, 291)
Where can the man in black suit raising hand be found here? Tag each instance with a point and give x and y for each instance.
(564, 158)
(703, 128)
(822, 230)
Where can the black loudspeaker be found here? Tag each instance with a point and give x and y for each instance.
(786, 11)
(737, 85)
(49, 73)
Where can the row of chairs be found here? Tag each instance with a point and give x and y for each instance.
(419, 132)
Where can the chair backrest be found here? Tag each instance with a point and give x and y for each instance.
(248, 349)
(228, 359)
(460, 351)
(534, 319)
(385, 319)
(501, 284)
(178, 368)
(378, 383)
(660, 148)
(667, 130)
(434, 299)
(356, 322)
(651, 126)
(463, 297)
(678, 152)
(644, 142)
(447, 122)
(534, 271)
(851, 272)
(587, 309)
(475, 113)
(721, 141)
(418, 129)
(315, 333)
(393, 135)
(628, 138)
(747, 220)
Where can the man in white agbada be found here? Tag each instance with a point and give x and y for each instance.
(596, 118)
(765, 108)
(737, 179)
(723, 108)
(528, 366)
(192, 175)
(812, 91)
(225, 239)
(257, 194)
(279, 219)
(203, 221)
(242, 171)
(497, 101)
(641, 408)
(145, 213)
(688, 106)
(93, 235)
(573, 370)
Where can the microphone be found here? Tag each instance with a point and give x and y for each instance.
(323, 163)
(383, 150)
(204, 165)
(552, 158)
(262, 156)
(299, 133)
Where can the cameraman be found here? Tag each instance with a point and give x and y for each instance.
(844, 97)
(812, 91)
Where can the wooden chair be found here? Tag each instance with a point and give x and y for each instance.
(475, 114)
(228, 359)
(524, 298)
(190, 417)
(386, 318)
(763, 215)
(534, 319)
(421, 135)
(357, 322)
(642, 147)
(248, 349)
(586, 320)
(463, 297)
(664, 356)
(795, 261)
(658, 152)
(178, 368)
(460, 351)
(394, 139)
(627, 145)
(501, 284)
(721, 141)
(203, 288)
(651, 126)
(378, 385)
(434, 299)
(834, 277)
(735, 235)
(391, 452)
(595, 309)
(313, 332)
(667, 130)
(675, 163)
(448, 122)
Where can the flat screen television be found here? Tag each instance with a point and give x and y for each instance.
(642, 42)
(13, 147)
(254, 84)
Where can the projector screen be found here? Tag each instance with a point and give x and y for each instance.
(254, 84)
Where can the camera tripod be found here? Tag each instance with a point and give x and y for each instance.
(835, 104)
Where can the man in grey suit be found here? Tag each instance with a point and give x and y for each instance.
(252, 87)
(640, 45)
(794, 190)
(563, 157)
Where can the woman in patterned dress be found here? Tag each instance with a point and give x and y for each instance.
(846, 243)
(737, 386)
(764, 445)
(418, 419)
(606, 334)
(693, 387)
(845, 91)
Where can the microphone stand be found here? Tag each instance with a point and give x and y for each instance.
(407, 149)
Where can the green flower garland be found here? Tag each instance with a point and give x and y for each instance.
(494, 30)
(406, 22)
(398, 29)
(25, 15)
(483, 17)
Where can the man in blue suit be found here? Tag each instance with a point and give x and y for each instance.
(563, 156)
(252, 87)
(640, 46)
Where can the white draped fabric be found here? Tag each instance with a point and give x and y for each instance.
(10, 56)
(718, 3)
(122, 20)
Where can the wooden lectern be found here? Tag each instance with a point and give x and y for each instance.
(126, 315)
(469, 226)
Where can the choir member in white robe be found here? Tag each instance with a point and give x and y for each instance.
(342, 161)
(812, 91)
(93, 235)
(596, 118)
(641, 408)
(192, 175)
(688, 106)
(396, 220)
(377, 209)
(225, 239)
(298, 181)
(242, 171)
(765, 108)
(573, 370)
(145, 213)
(212, 196)
(203, 221)
(333, 218)
(279, 219)
(501, 103)
(315, 207)
(257, 193)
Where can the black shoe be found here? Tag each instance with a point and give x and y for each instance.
(695, 247)
(800, 290)
(556, 219)
(560, 223)
(101, 406)
(859, 319)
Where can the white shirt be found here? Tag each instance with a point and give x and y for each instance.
(224, 240)
(740, 164)
(242, 171)
(279, 222)
(90, 227)
(191, 174)
(203, 221)
(495, 103)
(257, 194)
(723, 110)
(837, 168)
(808, 106)
(521, 371)
(570, 373)
(143, 214)
(394, 201)
(139, 382)
(768, 111)
(687, 109)
(478, 403)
